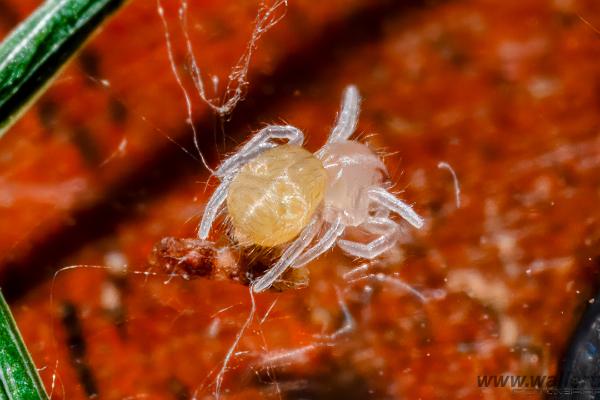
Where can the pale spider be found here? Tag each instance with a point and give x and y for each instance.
(279, 194)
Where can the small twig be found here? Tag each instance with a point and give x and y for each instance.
(190, 258)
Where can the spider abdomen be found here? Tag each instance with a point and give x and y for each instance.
(274, 196)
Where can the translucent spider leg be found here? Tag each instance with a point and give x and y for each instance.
(386, 199)
(384, 226)
(259, 143)
(288, 258)
(325, 243)
(348, 117)
(212, 208)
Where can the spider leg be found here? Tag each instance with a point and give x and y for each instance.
(384, 226)
(386, 199)
(288, 258)
(212, 208)
(323, 244)
(347, 117)
(260, 142)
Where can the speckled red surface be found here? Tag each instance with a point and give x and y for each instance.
(507, 93)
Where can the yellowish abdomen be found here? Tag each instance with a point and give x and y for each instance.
(274, 196)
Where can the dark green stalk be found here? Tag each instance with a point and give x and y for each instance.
(19, 379)
(37, 49)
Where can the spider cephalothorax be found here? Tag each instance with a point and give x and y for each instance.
(278, 194)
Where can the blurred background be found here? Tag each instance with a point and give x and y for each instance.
(103, 167)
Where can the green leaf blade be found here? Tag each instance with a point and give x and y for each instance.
(19, 379)
(40, 46)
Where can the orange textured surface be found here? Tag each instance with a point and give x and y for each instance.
(507, 93)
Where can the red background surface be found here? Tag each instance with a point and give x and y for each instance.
(508, 93)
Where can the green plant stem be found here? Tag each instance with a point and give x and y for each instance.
(37, 49)
(19, 379)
